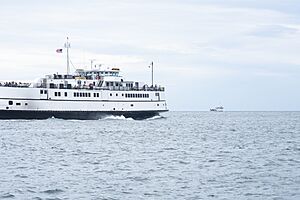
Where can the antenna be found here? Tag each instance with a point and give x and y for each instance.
(92, 60)
(67, 46)
(151, 65)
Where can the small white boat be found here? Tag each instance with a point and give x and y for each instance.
(217, 109)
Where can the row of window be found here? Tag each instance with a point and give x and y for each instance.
(136, 95)
(43, 91)
(84, 94)
(87, 94)
(58, 94)
(17, 104)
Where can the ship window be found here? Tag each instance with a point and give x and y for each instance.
(122, 94)
(59, 94)
(10, 103)
(131, 105)
(18, 104)
(110, 94)
(45, 92)
(97, 94)
(74, 94)
(89, 94)
(66, 94)
(126, 95)
(77, 94)
(41, 91)
(94, 94)
(80, 94)
(55, 93)
(26, 104)
(116, 94)
(157, 104)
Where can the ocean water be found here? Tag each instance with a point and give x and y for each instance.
(182, 155)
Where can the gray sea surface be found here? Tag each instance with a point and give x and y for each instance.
(182, 155)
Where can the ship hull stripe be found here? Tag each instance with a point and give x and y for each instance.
(81, 115)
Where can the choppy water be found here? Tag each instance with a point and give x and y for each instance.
(185, 155)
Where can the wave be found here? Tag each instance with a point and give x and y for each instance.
(156, 117)
(114, 117)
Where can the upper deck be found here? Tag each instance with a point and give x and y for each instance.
(96, 79)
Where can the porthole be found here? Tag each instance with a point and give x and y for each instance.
(10, 103)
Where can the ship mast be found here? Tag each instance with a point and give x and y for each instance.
(151, 66)
(67, 46)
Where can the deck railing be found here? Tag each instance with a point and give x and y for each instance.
(84, 87)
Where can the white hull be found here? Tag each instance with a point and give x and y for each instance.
(71, 102)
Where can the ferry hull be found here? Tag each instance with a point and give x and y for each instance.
(81, 115)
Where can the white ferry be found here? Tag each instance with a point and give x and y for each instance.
(86, 94)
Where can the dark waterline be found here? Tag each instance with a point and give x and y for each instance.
(183, 155)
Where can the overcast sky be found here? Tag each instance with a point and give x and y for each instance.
(242, 54)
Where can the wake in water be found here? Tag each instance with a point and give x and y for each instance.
(156, 117)
(122, 117)
(113, 117)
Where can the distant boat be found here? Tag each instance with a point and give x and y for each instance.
(217, 109)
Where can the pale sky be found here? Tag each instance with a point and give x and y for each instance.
(242, 54)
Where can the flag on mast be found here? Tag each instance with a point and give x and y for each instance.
(59, 50)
